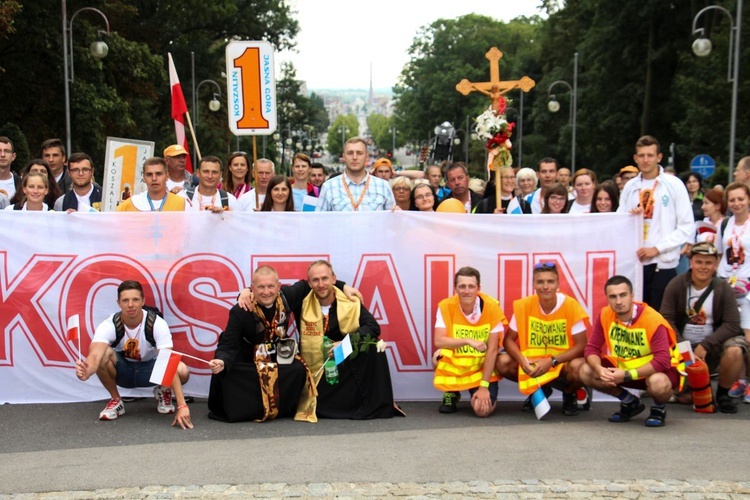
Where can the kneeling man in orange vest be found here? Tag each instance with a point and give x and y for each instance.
(632, 345)
(468, 330)
(545, 341)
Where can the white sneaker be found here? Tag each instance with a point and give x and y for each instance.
(114, 409)
(164, 396)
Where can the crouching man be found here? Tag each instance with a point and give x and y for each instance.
(468, 330)
(123, 352)
(631, 346)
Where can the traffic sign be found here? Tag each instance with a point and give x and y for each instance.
(703, 165)
(251, 88)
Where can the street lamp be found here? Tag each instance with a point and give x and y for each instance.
(344, 130)
(98, 49)
(285, 144)
(393, 131)
(554, 106)
(702, 47)
(213, 105)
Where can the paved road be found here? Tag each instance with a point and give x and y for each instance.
(63, 447)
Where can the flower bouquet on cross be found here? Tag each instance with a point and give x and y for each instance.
(494, 129)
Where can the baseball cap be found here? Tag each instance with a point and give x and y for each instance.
(380, 162)
(630, 169)
(174, 150)
(704, 248)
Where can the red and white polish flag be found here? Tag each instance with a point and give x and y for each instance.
(179, 109)
(165, 367)
(74, 329)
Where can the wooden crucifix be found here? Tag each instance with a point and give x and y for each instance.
(495, 87)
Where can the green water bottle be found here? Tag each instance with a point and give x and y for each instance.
(329, 367)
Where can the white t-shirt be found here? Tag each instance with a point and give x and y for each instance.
(142, 350)
(246, 202)
(200, 202)
(173, 184)
(472, 318)
(577, 208)
(579, 327)
(11, 207)
(695, 333)
(9, 186)
(734, 247)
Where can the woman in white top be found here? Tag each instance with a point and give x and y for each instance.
(527, 180)
(35, 188)
(584, 182)
(281, 199)
(714, 208)
(423, 198)
(401, 187)
(733, 241)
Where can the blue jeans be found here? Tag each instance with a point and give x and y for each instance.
(132, 374)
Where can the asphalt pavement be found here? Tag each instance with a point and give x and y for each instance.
(64, 448)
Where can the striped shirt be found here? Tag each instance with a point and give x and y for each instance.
(334, 196)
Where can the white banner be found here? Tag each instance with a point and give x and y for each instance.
(193, 265)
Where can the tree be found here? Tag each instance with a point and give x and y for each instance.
(127, 93)
(20, 145)
(318, 115)
(344, 126)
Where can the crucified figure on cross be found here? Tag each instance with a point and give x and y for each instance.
(495, 88)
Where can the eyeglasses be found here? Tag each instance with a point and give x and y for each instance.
(401, 188)
(6, 151)
(40, 171)
(555, 197)
(423, 197)
(545, 265)
(79, 171)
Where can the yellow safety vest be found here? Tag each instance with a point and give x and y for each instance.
(461, 369)
(544, 336)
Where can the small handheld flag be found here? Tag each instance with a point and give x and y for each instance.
(541, 403)
(343, 350)
(686, 352)
(74, 332)
(165, 367)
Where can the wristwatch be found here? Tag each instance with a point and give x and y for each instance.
(555, 362)
(628, 377)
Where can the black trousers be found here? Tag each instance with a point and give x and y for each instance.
(654, 283)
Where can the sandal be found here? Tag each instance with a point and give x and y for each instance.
(627, 411)
(656, 417)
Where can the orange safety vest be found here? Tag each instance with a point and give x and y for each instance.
(544, 336)
(174, 203)
(629, 346)
(461, 369)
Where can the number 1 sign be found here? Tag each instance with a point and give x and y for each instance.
(251, 87)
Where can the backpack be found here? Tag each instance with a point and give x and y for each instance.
(222, 194)
(151, 314)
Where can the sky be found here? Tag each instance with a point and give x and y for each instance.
(338, 39)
